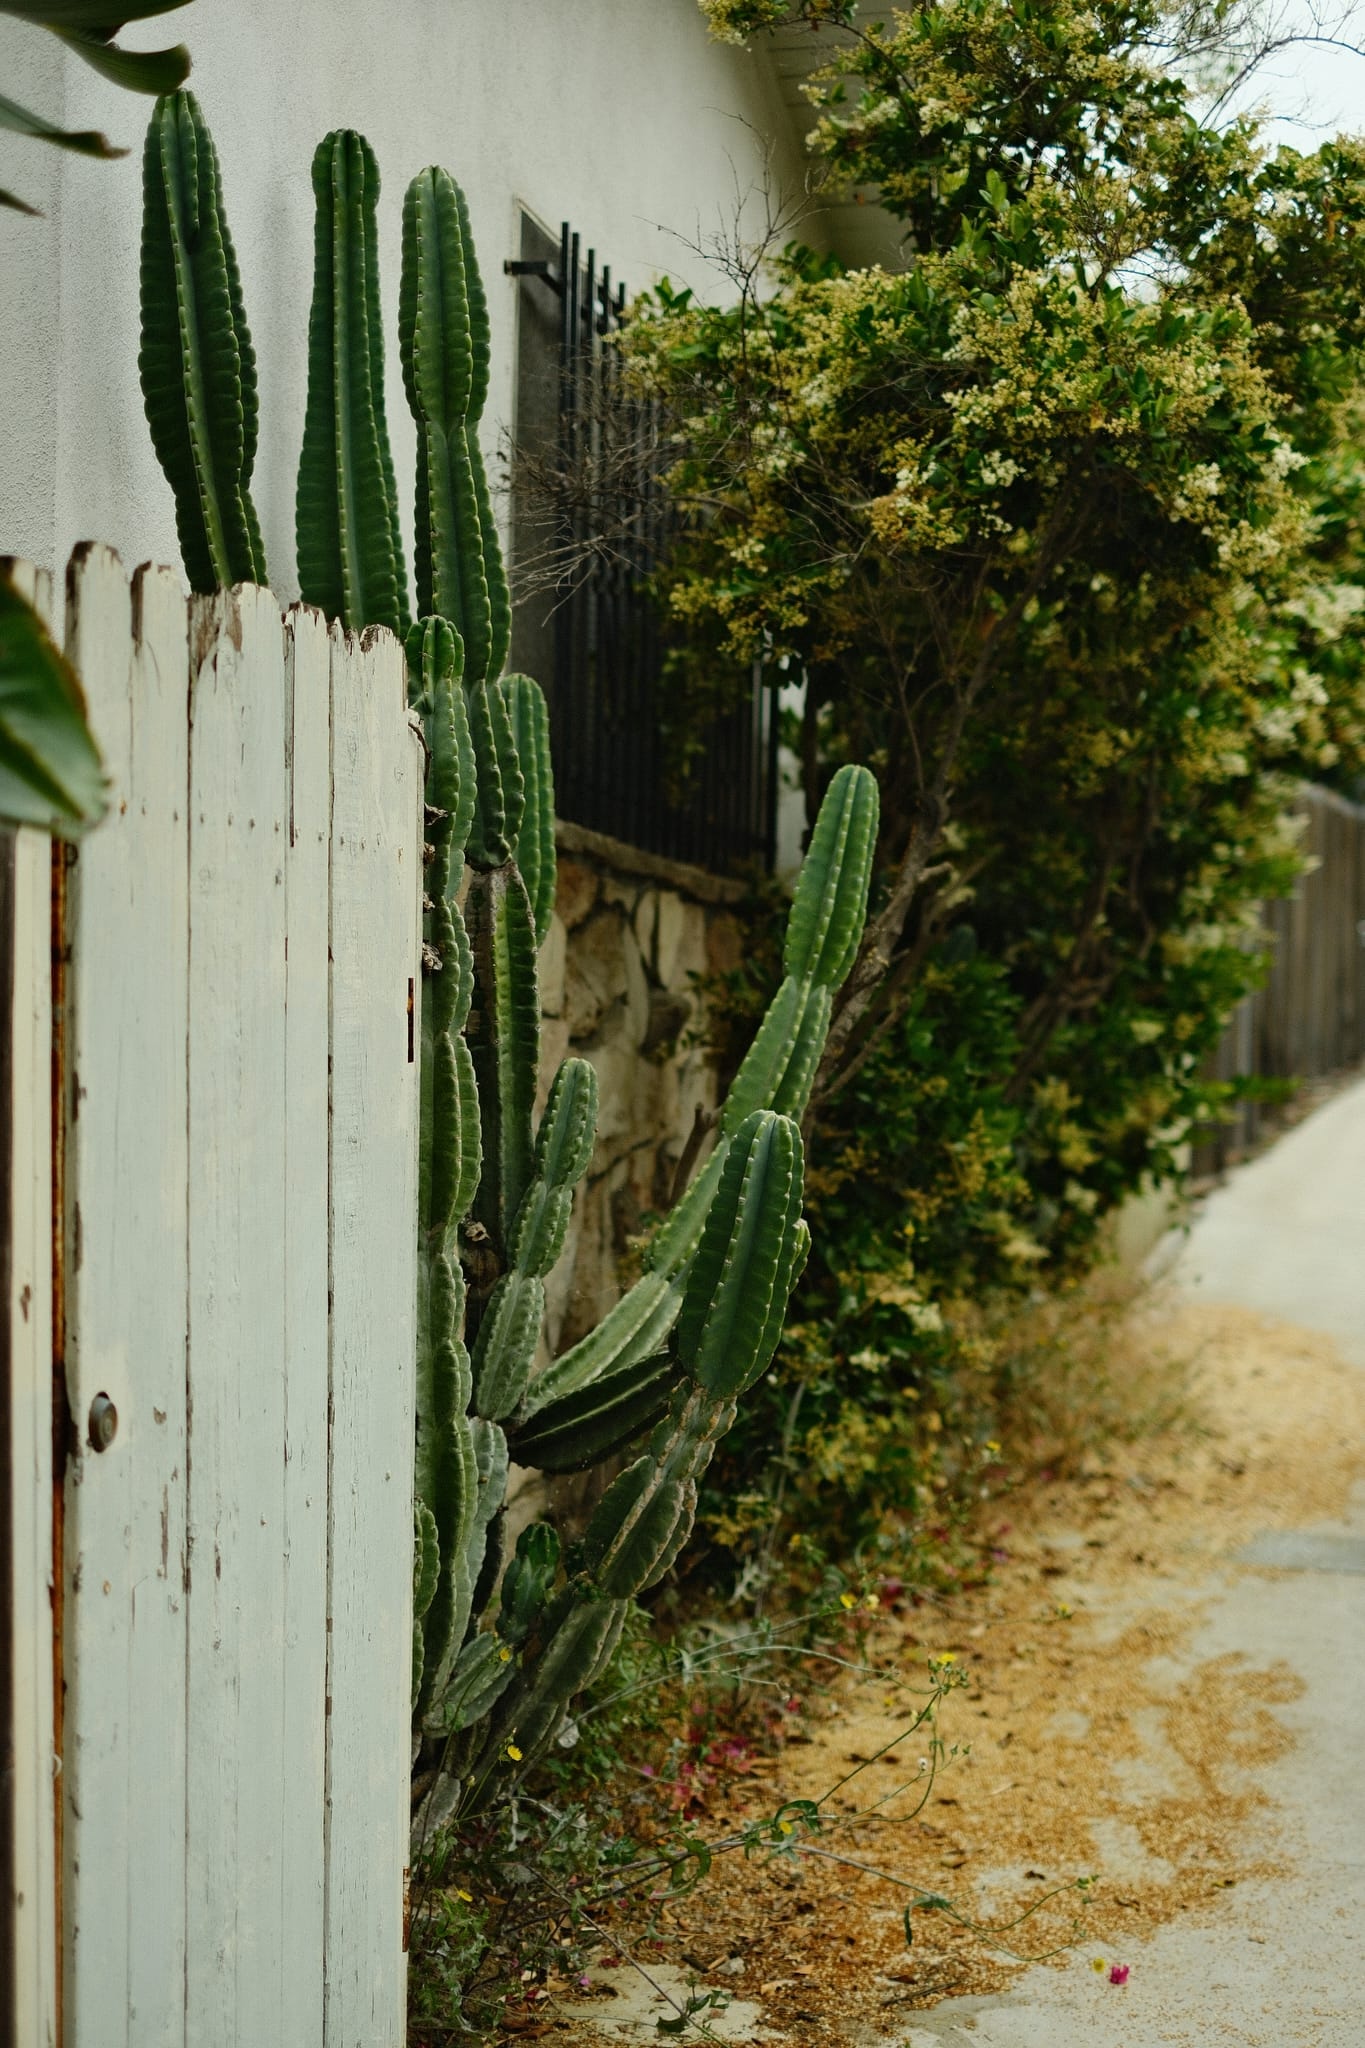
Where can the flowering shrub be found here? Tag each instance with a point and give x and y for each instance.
(1061, 524)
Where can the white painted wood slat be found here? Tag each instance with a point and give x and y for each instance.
(26, 1545)
(239, 818)
(376, 841)
(240, 1118)
(124, 1662)
(304, 1704)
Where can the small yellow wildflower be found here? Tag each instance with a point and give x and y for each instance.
(513, 1753)
(847, 1600)
(468, 1897)
(1098, 1964)
(873, 1601)
(504, 1655)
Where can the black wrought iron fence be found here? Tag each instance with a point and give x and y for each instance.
(591, 521)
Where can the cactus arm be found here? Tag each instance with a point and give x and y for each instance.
(826, 921)
(196, 362)
(527, 1582)
(823, 933)
(579, 1635)
(475, 393)
(731, 1317)
(494, 572)
(490, 1454)
(426, 1571)
(448, 1453)
(501, 790)
(346, 511)
(480, 1674)
(506, 1345)
(536, 840)
(582, 1428)
(634, 1329)
(505, 1040)
(444, 338)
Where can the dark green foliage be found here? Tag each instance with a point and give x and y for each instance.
(50, 773)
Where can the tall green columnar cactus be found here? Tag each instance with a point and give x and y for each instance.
(350, 552)
(443, 335)
(752, 1246)
(499, 1654)
(597, 1379)
(196, 361)
(447, 1480)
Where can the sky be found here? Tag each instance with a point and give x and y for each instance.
(1313, 92)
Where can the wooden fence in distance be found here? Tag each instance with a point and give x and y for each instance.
(233, 1301)
(1308, 1021)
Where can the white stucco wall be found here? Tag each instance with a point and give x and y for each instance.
(620, 115)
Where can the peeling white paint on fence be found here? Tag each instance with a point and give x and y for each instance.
(26, 1545)
(240, 1113)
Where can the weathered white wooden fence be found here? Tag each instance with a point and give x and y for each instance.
(230, 1310)
(1308, 1020)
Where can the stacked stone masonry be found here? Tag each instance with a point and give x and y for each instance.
(631, 937)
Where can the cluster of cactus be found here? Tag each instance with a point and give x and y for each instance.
(499, 1649)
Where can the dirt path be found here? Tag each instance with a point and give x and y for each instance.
(1165, 1690)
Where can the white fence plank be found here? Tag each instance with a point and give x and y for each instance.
(376, 837)
(240, 1134)
(125, 1175)
(239, 816)
(26, 1545)
(303, 1728)
(26, 1552)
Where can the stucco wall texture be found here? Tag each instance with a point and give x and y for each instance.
(619, 115)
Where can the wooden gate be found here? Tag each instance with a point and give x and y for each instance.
(233, 1308)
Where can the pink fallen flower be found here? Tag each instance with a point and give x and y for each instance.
(1119, 1974)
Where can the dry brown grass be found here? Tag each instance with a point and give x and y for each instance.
(1100, 1736)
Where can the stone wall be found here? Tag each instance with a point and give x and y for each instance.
(630, 935)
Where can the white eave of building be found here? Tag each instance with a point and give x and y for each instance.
(852, 224)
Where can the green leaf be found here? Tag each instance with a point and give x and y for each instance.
(99, 17)
(149, 71)
(50, 773)
(84, 141)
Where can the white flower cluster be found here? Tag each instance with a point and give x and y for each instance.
(1328, 608)
(1199, 488)
(997, 470)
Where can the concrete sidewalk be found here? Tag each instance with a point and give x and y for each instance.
(1283, 1963)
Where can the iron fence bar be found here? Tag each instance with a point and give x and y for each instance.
(609, 649)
